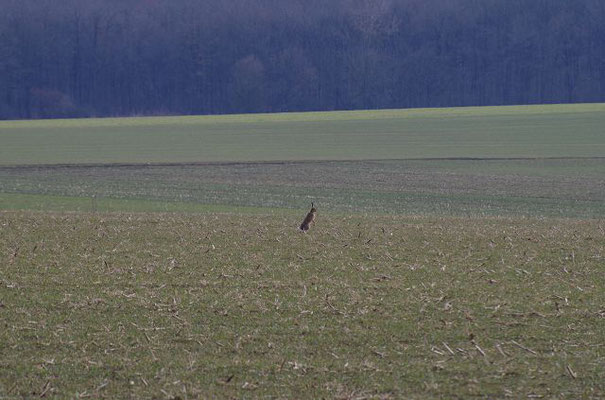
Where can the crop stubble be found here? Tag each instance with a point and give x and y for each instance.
(166, 305)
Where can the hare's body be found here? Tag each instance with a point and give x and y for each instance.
(309, 219)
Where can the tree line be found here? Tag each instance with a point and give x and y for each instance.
(77, 58)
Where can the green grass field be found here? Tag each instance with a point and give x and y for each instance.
(458, 253)
(523, 131)
(561, 187)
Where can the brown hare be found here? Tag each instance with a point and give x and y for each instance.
(309, 219)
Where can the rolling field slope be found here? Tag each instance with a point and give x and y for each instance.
(530, 160)
(485, 132)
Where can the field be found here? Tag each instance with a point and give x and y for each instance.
(524, 131)
(145, 305)
(458, 253)
(554, 187)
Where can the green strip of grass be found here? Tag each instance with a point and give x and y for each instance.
(569, 188)
(522, 131)
(448, 112)
(36, 202)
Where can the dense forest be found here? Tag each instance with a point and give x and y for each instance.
(73, 58)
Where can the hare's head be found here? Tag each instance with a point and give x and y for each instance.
(313, 209)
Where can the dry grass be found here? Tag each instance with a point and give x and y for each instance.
(218, 305)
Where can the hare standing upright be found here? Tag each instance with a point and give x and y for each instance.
(310, 218)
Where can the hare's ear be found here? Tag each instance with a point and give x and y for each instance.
(312, 205)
